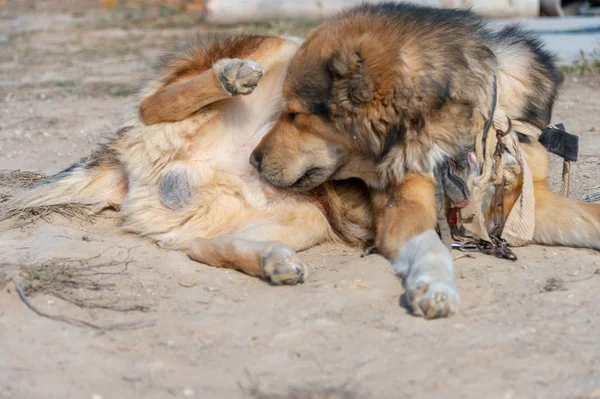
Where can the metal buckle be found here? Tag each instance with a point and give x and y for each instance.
(468, 247)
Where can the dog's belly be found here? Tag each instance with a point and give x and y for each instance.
(209, 191)
(194, 179)
(226, 204)
(221, 154)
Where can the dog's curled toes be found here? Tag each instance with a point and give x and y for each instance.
(238, 76)
(426, 267)
(432, 298)
(281, 265)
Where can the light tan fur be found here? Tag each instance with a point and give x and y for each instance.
(559, 220)
(180, 172)
(411, 202)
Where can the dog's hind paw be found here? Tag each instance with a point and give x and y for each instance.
(433, 299)
(281, 265)
(238, 76)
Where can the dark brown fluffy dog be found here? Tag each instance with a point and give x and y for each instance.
(383, 93)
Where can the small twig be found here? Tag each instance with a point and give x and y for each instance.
(68, 320)
(76, 322)
(465, 256)
(113, 273)
(583, 279)
(127, 260)
(83, 304)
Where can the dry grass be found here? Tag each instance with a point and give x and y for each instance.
(68, 278)
(295, 393)
(33, 215)
(72, 280)
(19, 179)
(307, 394)
(16, 179)
(254, 390)
(586, 64)
(4, 279)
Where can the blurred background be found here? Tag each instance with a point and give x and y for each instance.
(578, 22)
(67, 67)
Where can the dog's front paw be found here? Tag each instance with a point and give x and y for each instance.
(238, 76)
(432, 298)
(281, 265)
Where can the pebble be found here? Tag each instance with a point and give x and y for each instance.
(169, 343)
(188, 392)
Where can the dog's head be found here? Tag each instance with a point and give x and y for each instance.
(336, 121)
(367, 97)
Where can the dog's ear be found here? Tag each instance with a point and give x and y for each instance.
(351, 89)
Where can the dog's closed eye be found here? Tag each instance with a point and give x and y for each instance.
(306, 177)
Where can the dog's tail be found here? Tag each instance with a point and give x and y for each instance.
(97, 181)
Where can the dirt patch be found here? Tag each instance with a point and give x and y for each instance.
(300, 393)
(555, 284)
(65, 83)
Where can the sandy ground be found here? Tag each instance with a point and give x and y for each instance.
(164, 326)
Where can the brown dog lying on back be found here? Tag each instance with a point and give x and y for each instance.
(384, 93)
(179, 171)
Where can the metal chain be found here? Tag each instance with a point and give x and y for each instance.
(499, 216)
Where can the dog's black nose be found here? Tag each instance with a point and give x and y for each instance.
(256, 160)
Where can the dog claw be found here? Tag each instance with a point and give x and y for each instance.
(433, 300)
(238, 76)
(281, 266)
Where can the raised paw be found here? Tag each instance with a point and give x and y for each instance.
(281, 265)
(432, 299)
(238, 76)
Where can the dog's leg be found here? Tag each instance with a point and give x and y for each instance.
(406, 235)
(559, 220)
(177, 101)
(565, 221)
(266, 248)
(270, 260)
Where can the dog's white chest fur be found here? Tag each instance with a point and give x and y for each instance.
(222, 149)
(246, 120)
